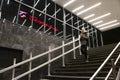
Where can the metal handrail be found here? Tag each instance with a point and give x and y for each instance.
(38, 56)
(115, 63)
(106, 60)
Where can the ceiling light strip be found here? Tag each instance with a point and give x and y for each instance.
(106, 27)
(78, 8)
(110, 22)
(98, 4)
(96, 23)
(89, 16)
(100, 17)
(68, 3)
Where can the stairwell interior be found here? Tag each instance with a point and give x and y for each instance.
(73, 69)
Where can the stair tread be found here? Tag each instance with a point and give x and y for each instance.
(83, 72)
(83, 77)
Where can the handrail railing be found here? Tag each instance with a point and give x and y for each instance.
(106, 60)
(115, 63)
(38, 56)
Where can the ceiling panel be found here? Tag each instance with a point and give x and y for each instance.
(107, 6)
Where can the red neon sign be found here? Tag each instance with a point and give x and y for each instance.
(36, 20)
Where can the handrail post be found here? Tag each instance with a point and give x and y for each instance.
(13, 71)
(113, 67)
(80, 46)
(30, 67)
(49, 58)
(74, 55)
(63, 51)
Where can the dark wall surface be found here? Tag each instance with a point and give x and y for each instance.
(111, 36)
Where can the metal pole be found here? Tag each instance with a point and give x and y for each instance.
(13, 71)
(113, 67)
(63, 57)
(78, 26)
(55, 20)
(45, 16)
(30, 67)
(101, 39)
(17, 18)
(88, 35)
(1, 8)
(96, 38)
(49, 58)
(32, 18)
(72, 27)
(93, 38)
(74, 55)
(64, 27)
(80, 46)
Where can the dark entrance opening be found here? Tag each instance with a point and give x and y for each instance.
(7, 56)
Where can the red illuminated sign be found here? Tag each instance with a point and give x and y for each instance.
(36, 20)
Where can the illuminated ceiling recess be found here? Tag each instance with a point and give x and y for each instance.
(103, 14)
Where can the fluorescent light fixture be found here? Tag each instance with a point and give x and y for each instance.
(89, 16)
(89, 8)
(78, 8)
(68, 3)
(97, 22)
(110, 22)
(107, 27)
(100, 17)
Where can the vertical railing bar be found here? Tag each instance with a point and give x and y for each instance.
(89, 44)
(63, 51)
(55, 20)
(113, 67)
(44, 28)
(93, 38)
(1, 9)
(74, 54)
(17, 18)
(101, 39)
(72, 25)
(96, 38)
(49, 65)
(13, 71)
(64, 27)
(30, 66)
(32, 21)
(80, 46)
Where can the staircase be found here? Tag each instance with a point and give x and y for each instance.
(78, 69)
